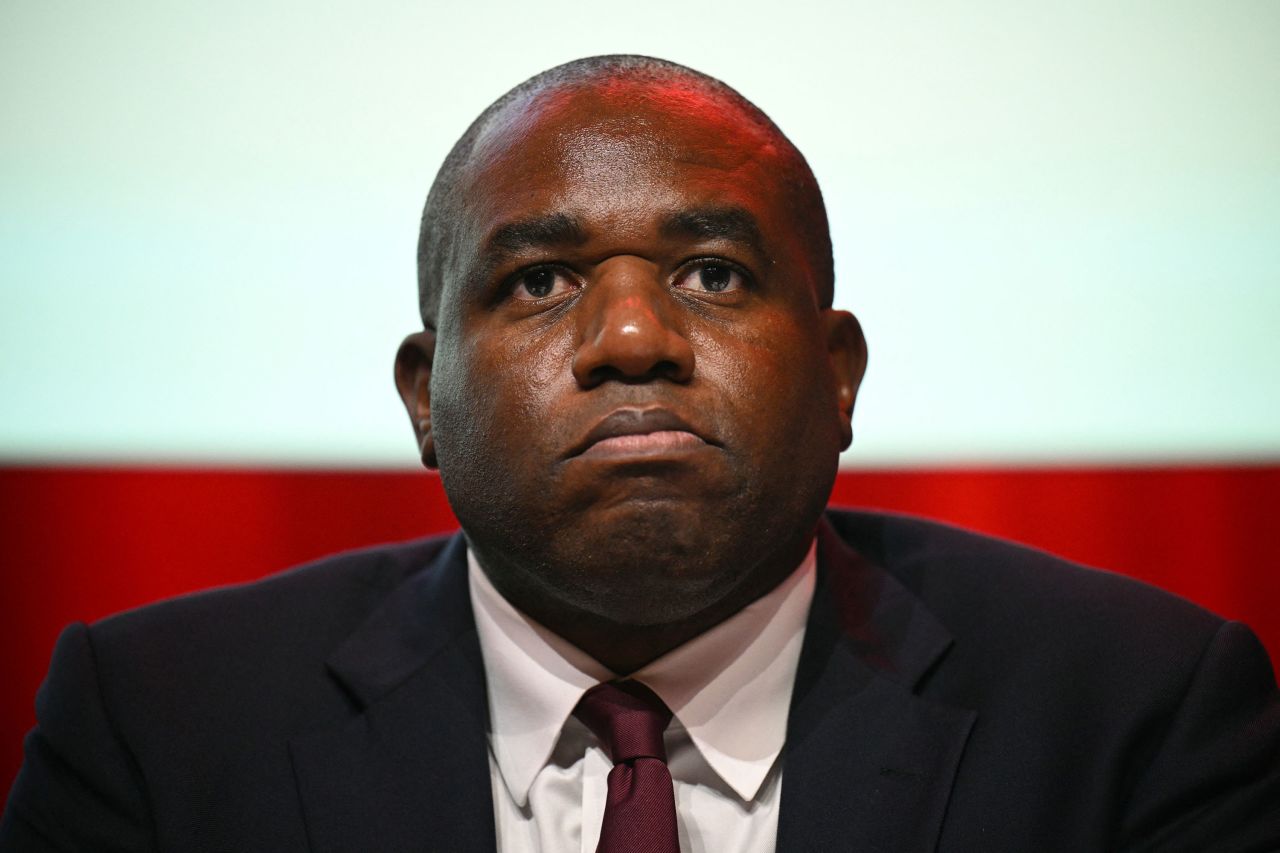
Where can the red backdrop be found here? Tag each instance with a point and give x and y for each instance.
(80, 543)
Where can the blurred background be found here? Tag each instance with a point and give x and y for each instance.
(1059, 224)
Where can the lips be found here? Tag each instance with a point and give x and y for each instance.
(640, 431)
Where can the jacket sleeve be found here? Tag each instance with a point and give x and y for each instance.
(79, 788)
(1214, 782)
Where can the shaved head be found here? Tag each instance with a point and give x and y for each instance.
(656, 83)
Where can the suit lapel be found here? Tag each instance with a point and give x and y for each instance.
(410, 772)
(868, 764)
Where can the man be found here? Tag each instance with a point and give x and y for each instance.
(635, 389)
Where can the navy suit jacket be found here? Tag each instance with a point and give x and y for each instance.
(954, 693)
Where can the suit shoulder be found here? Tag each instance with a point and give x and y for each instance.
(250, 657)
(322, 598)
(984, 586)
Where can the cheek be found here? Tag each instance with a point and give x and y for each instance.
(775, 369)
(777, 404)
(499, 389)
(536, 369)
(460, 407)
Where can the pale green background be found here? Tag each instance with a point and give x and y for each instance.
(1059, 223)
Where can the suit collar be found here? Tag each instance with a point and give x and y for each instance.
(429, 612)
(879, 620)
(410, 770)
(868, 762)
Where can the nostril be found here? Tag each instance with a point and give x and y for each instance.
(611, 373)
(669, 369)
(602, 374)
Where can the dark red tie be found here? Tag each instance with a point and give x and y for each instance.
(640, 809)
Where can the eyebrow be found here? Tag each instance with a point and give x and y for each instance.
(538, 232)
(563, 229)
(714, 223)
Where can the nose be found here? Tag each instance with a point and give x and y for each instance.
(629, 328)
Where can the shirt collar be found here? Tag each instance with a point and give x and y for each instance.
(730, 687)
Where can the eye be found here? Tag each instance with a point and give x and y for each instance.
(541, 282)
(711, 277)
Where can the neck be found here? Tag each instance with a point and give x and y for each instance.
(618, 640)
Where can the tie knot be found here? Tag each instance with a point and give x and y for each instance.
(627, 717)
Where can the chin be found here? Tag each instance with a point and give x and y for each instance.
(639, 562)
(648, 604)
(662, 571)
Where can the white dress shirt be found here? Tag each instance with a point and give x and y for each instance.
(729, 690)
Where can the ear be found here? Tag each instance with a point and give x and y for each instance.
(848, 351)
(413, 381)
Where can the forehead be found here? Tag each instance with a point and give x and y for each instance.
(621, 151)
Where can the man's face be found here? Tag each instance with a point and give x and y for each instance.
(636, 401)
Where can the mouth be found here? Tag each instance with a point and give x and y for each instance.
(640, 432)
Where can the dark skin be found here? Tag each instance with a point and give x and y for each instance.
(633, 394)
